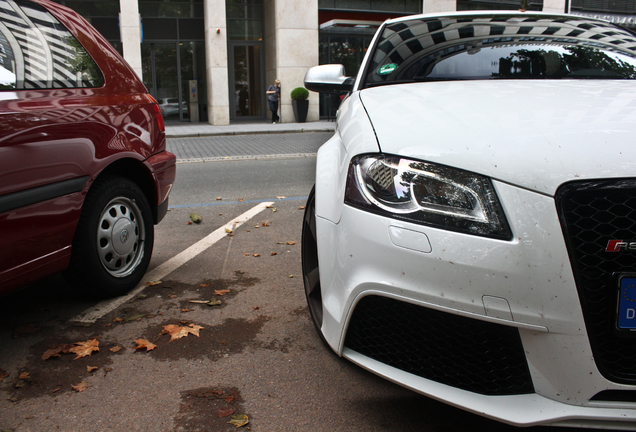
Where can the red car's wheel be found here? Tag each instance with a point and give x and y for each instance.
(114, 239)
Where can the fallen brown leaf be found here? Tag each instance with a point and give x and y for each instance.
(221, 292)
(301, 208)
(3, 374)
(239, 420)
(273, 253)
(56, 351)
(118, 320)
(24, 375)
(291, 243)
(205, 285)
(114, 349)
(257, 255)
(177, 332)
(80, 387)
(144, 344)
(83, 349)
(153, 283)
(225, 412)
(266, 223)
(219, 198)
(247, 254)
(187, 310)
(91, 368)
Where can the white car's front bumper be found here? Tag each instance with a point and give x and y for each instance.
(525, 284)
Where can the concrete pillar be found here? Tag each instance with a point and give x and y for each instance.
(554, 6)
(130, 33)
(291, 46)
(435, 6)
(216, 64)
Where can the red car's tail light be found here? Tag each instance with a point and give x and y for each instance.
(162, 126)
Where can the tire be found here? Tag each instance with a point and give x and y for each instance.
(113, 241)
(310, 266)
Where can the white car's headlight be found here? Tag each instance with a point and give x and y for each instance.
(426, 193)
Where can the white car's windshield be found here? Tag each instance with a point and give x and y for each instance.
(500, 47)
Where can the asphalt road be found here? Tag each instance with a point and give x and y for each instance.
(256, 353)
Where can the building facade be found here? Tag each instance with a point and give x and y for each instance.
(212, 60)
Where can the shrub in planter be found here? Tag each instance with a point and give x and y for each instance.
(300, 104)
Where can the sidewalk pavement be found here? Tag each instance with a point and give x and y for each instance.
(185, 130)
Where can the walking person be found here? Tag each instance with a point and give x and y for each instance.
(273, 96)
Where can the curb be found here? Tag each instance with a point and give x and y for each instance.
(246, 132)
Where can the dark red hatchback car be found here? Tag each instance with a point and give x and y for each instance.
(84, 171)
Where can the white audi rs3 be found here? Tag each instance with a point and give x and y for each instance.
(472, 231)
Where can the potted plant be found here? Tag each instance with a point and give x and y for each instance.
(300, 104)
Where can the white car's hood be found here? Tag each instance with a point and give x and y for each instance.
(534, 134)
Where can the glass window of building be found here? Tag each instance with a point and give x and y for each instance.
(245, 19)
(536, 5)
(171, 8)
(400, 6)
(102, 14)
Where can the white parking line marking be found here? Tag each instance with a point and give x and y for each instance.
(102, 308)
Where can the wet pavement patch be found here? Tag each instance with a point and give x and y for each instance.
(213, 343)
(209, 409)
(60, 372)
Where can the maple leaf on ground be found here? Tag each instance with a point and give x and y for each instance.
(80, 387)
(239, 420)
(225, 412)
(83, 349)
(143, 343)
(56, 351)
(177, 332)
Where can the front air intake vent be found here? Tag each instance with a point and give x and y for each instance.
(469, 354)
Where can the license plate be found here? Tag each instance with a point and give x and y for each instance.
(627, 304)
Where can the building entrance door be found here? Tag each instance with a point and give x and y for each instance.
(247, 77)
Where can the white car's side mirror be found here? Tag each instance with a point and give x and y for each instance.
(329, 78)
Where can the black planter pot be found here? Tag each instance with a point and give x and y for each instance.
(300, 110)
